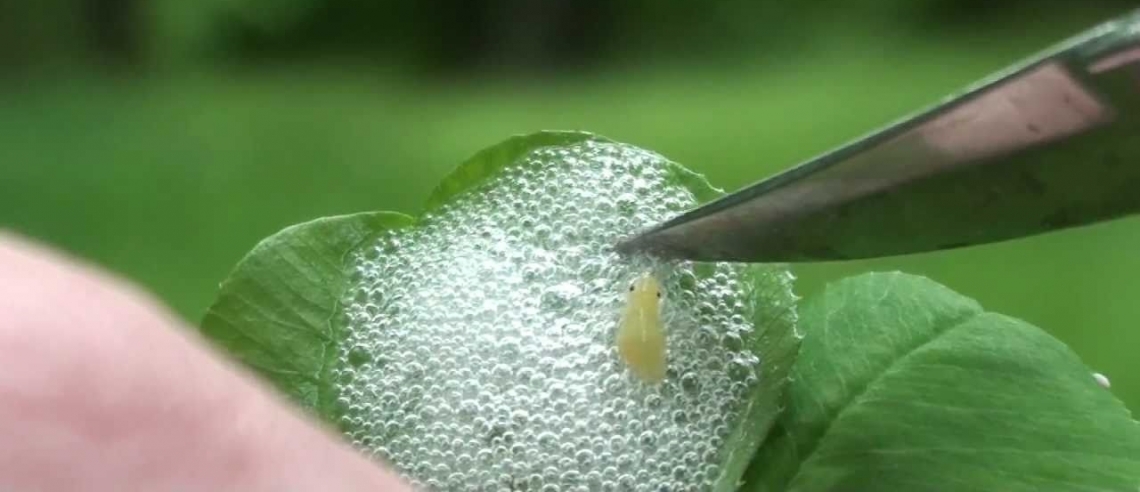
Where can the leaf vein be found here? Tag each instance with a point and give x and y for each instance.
(859, 395)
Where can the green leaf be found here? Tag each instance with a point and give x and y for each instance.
(902, 384)
(280, 310)
(778, 344)
(275, 312)
(488, 162)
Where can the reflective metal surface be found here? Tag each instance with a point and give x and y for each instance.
(1051, 143)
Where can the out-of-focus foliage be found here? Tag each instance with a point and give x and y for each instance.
(457, 34)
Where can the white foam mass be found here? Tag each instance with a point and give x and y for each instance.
(480, 350)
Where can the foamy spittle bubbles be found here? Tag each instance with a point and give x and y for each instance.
(480, 349)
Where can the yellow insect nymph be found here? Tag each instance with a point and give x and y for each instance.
(640, 337)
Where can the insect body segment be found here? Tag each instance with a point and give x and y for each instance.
(640, 337)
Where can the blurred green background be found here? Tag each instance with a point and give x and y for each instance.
(164, 138)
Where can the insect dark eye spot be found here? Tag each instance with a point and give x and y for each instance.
(658, 295)
(631, 287)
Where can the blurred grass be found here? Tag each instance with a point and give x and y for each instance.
(171, 181)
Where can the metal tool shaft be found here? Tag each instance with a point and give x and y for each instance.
(1051, 143)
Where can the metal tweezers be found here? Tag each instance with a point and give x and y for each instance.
(1048, 144)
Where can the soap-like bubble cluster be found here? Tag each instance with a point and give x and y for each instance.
(481, 353)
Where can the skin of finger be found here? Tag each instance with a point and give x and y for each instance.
(102, 389)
